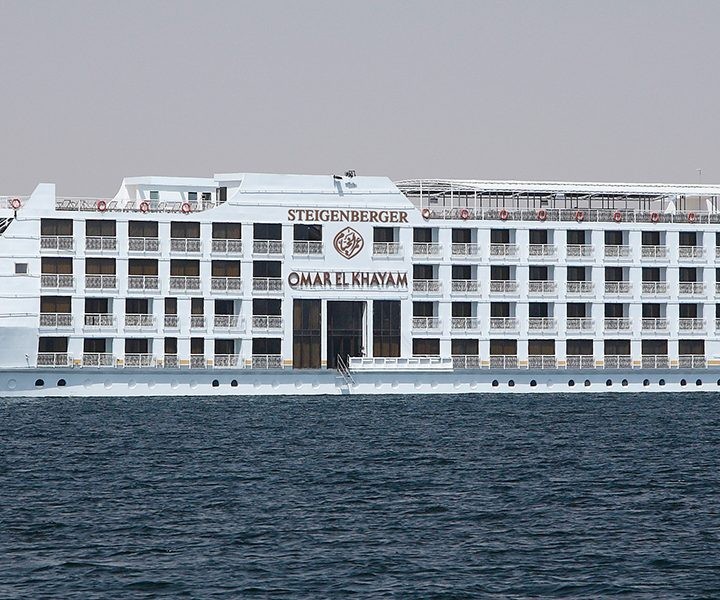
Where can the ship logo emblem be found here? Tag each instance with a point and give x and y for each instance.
(348, 242)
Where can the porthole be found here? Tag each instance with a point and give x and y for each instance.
(683, 382)
(496, 383)
(233, 383)
(661, 382)
(646, 382)
(571, 383)
(608, 383)
(533, 383)
(587, 383)
(698, 382)
(215, 383)
(39, 383)
(61, 383)
(511, 383)
(718, 381)
(624, 382)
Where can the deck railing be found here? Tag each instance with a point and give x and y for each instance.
(143, 244)
(99, 320)
(56, 320)
(386, 248)
(143, 282)
(267, 322)
(464, 286)
(266, 361)
(100, 282)
(307, 248)
(60, 243)
(186, 245)
(223, 246)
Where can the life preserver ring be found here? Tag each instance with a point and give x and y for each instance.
(101, 205)
(503, 214)
(464, 214)
(579, 215)
(144, 207)
(691, 217)
(654, 217)
(542, 214)
(425, 213)
(617, 217)
(186, 208)
(15, 203)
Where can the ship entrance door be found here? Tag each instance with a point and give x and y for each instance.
(344, 331)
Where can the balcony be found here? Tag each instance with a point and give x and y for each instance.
(691, 288)
(427, 286)
(57, 281)
(464, 251)
(542, 251)
(53, 359)
(542, 288)
(266, 361)
(425, 323)
(503, 361)
(618, 324)
(305, 248)
(267, 284)
(655, 253)
(197, 321)
(464, 323)
(225, 284)
(691, 326)
(464, 286)
(226, 321)
(579, 251)
(618, 288)
(140, 321)
(267, 247)
(99, 321)
(655, 324)
(465, 361)
(197, 361)
(544, 361)
(546, 324)
(138, 360)
(503, 324)
(266, 322)
(184, 283)
(578, 324)
(143, 245)
(171, 361)
(186, 245)
(654, 288)
(101, 244)
(226, 361)
(101, 282)
(618, 252)
(655, 361)
(692, 361)
(618, 361)
(424, 249)
(504, 287)
(56, 320)
(226, 246)
(580, 361)
(579, 288)
(389, 249)
(57, 243)
(97, 359)
(171, 322)
(691, 253)
(143, 282)
(499, 251)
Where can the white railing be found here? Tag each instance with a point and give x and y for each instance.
(694, 325)
(171, 321)
(503, 361)
(267, 247)
(542, 324)
(579, 287)
(224, 361)
(101, 282)
(187, 245)
(654, 324)
(503, 250)
(226, 321)
(197, 361)
(427, 286)
(464, 286)
(143, 244)
(391, 363)
(465, 361)
(580, 361)
(100, 320)
(266, 361)
(55, 320)
(654, 288)
(542, 250)
(612, 251)
(267, 284)
(579, 250)
(691, 288)
(57, 280)
(426, 249)
(655, 361)
(461, 250)
(97, 359)
(60, 243)
(691, 361)
(691, 252)
(139, 320)
(503, 286)
(503, 323)
(617, 324)
(618, 288)
(386, 248)
(197, 321)
(53, 359)
(425, 323)
(138, 360)
(267, 322)
(101, 243)
(544, 361)
(184, 282)
(171, 361)
(717, 324)
(225, 284)
(143, 282)
(579, 324)
(655, 252)
(717, 287)
(542, 287)
(464, 323)
(307, 248)
(617, 361)
(222, 246)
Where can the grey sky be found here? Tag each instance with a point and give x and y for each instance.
(94, 91)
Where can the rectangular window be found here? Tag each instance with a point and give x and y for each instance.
(21, 268)
(464, 347)
(307, 324)
(579, 347)
(184, 268)
(386, 328)
(52, 265)
(142, 266)
(461, 236)
(142, 229)
(154, 195)
(182, 230)
(268, 306)
(100, 266)
(576, 310)
(197, 306)
(384, 234)
(267, 231)
(267, 268)
(100, 228)
(307, 233)
(56, 227)
(577, 237)
(226, 268)
(422, 235)
(426, 347)
(56, 304)
(192, 196)
(170, 345)
(170, 306)
(503, 347)
(266, 346)
(53, 344)
(226, 231)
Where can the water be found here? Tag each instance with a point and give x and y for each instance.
(411, 497)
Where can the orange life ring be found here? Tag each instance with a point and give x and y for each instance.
(503, 214)
(186, 208)
(691, 217)
(464, 214)
(542, 214)
(101, 205)
(144, 207)
(425, 213)
(617, 217)
(654, 217)
(579, 215)
(15, 203)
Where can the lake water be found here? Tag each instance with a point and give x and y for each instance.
(409, 497)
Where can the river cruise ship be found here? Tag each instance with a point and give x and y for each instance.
(341, 284)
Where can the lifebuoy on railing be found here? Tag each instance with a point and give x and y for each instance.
(617, 216)
(579, 215)
(691, 217)
(15, 203)
(425, 213)
(144, 207)
(186, 208)
(654, 217)
(464, 214)
(101, 205)
(542, 214)
(503, 214)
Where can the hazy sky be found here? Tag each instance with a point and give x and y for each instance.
(91, 91)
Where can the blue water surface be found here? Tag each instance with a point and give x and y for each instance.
(370, 497)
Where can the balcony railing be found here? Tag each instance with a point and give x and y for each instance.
(171, 361)
(465, 361)
(427, 286)
(138, 321)
(197, 361)
(59, 243)
(655, 361)
(267, 322)
(57, 281)
(542, 287)
(503, 324)
(503, 361)
(542, 324)
(386, 248)
(138, 360)
(503, 250)
(307, 248)
(654, 324)
(612, 251)
(544, 361)
(97, 359)
(654, 288)
(579, 288)
(143, 245)
(464, 323)
(618, 288)
(617, 361)
(267, 284)
(579, 251)
(267, 247)
(266, 361)
(691, 325)
(462, 250)
(101, 282)
(101, 244)
(579, 324)
(226, 321)
(426, 323)
(197, 321)
(100, 320)
(426, 249)
(580, 361)
(184, 282)
(618, 324)
(464, 286)
(717, 324)
(691, 288)
(504, 286)
(186, 245)
(55, 320)
(692, 361)
(225, 284)
(655, 252)
(542, 250)
(143, 282)
(691, 252)
(53, 359)
(225, 361)
(226, 246)
(171, 321)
